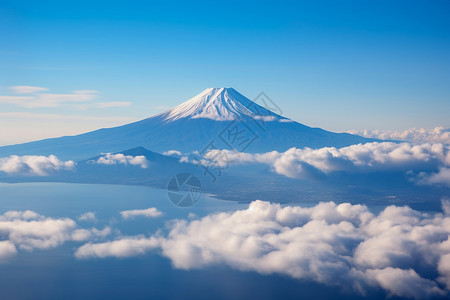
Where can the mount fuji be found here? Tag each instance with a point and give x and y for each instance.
(216, 118)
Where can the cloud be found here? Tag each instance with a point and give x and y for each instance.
(124, 247)
(26, 89)
(413, 135)
(46, 100)
(113, 104)
(36, 98)
(23, 215)
(403, 251)
(173, 152)
(114, 159)
(88, 216)
(29, 230)
(7, 250)
(370, 157)
(404, 283)
(80, 235)
(151, 212)
(34, 165)
(26, 115)
(442, 177)
(81, 92)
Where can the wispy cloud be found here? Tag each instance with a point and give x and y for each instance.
(26, 89)
(113, 104)
(124, 247)
(88, 216)
(27, 115)
(151, 212)
(37, 97)
(46, 100)
(81, 92)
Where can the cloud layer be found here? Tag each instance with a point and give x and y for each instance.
(413, 135)
(370, 157)
(34, 165)
(400, 250)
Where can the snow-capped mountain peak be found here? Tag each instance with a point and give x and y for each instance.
(219, 104)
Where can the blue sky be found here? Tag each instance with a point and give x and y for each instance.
(338, 65)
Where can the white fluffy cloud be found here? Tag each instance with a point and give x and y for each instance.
(29, 230)
(442, 177)
(151, 212)
(403, 251)
(114, 159)
(301, 163)
(34, 165)
(413, 135)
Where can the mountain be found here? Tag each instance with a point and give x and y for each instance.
(216, 118)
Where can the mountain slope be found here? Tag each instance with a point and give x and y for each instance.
(213, 118)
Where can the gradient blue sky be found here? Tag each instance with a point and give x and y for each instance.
(338, 65)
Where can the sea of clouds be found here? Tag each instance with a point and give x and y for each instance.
(430, 163)
(400, 250)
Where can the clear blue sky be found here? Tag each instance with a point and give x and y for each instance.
(338, 65)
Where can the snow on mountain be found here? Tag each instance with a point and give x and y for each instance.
(219, 104)
(216, 118)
